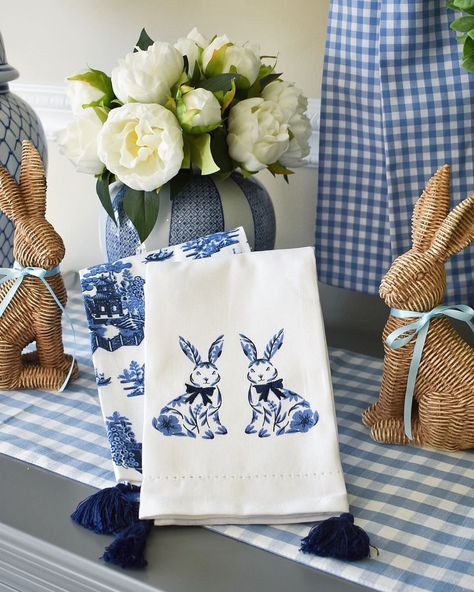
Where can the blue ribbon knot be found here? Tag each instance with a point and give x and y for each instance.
(419, 329)
(18, 273)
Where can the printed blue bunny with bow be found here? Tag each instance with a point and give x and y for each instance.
(275, 409)
(196, 412)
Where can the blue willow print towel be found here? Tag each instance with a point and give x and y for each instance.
(239, 414)
(115, 308)
(395, 105)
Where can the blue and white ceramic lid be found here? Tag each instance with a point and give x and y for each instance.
(7, 72)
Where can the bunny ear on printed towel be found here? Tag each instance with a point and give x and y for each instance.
(274, 345)
(431, 209)
(190, 351)
(216, 349)
(249, 347)
(456, 232)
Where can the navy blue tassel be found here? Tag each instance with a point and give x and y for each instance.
(337, 537)
(128, 548)
(108, 511)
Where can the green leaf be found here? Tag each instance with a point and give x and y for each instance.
(102, 188)
(463, 4)
(99, 80)
(201, 154)
(269, 78)
(220, 82)
(468, 50)
(142, 208)
(179, 182)
(463, 24)
(144, 41)
(220, 151)
(278, 169)
(468, 64)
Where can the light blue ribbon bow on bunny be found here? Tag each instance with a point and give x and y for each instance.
(18, 274)
(419, 329)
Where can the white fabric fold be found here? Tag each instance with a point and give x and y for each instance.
(115, 308)
(239, 422)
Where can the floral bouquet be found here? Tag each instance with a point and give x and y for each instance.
(170, 111)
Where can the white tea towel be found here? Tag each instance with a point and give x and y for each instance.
(114, 302)
(240, 422)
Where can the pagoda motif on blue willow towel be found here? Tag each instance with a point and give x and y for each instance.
(134, 376)
(207, 246)
(158, 256)
(114, 303)
(125, 450)
(101, 379)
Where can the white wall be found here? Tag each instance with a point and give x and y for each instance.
(48, 40)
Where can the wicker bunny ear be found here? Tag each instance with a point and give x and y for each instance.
(456, 232)
(431, 209)
(32, 180)
(11, 202)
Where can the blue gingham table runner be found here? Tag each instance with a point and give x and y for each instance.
(416, 504)
(395, 106)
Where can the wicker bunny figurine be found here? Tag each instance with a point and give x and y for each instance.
(442, 415)
(32, 314)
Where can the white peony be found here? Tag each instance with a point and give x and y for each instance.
(290, 98)
(293, 105)
(188, 48)
(299, 148)
(207, 110)
(243, 59)
(198, 39)
(81, 93)
(258, 133)
(142, 144)
(147, 76)
(78, 142)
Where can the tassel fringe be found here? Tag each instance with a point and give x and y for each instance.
(337, 537)
(108, 511)
(128, 548)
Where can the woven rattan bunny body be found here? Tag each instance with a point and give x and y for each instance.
(32, 315)
(443, 409)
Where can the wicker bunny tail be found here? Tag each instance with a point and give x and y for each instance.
(337, 537)
(109, 510)
(128, 548)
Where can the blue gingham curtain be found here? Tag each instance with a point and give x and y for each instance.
(395, 105)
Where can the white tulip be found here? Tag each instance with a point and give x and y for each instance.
(147, 76)
(78, 142)
(258, 134)
(81, 93)
(243, 59)
(142, 144)
(207, 107)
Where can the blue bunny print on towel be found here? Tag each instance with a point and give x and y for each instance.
(207, 246)
(114, 303)
(125, 450)
(134, 376)
(275, 409)
(196, 412)
(158, 256)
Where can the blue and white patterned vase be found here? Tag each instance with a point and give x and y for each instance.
(205, 206)
(18, 122)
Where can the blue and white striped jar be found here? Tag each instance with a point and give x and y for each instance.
(18, 122)
(206, 205)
